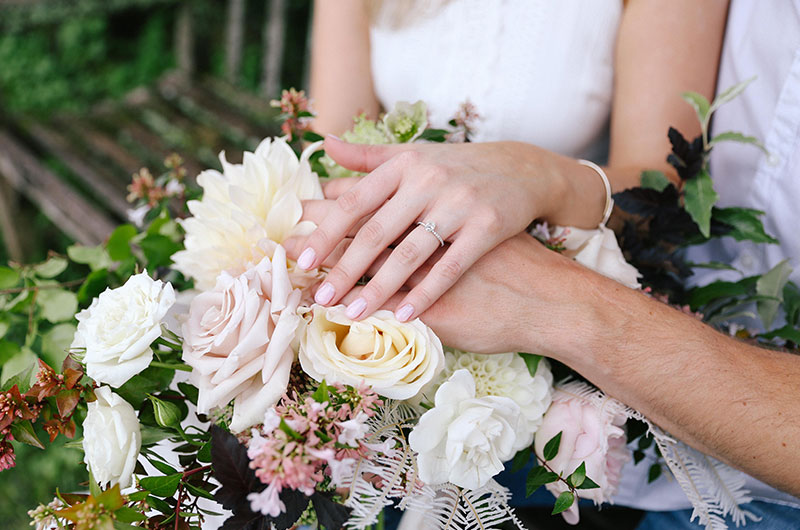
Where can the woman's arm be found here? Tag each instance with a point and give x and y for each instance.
(341, 79)
(482, 194)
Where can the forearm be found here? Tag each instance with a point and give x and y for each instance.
(729, 399)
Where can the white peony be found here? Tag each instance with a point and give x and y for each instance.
(238, 340)
(506, 375)
(119, 327)
(598, 250)
(395, 358)
(465, 439)
(244, 205)
(111, 439)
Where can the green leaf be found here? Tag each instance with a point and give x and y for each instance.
(654, 180)
(699, 103)
(204, 454)
(8, 278)
(699, 197)
(23, 364)
(55, 343)
(150, 381)
(521, 459)
(745, 224)
(95, 257)
(563, 502)
(164, 468)
(129, 515)
(199, 492)
(434, 135)
(787, 332)
(94, 284)
(152, 435)
(538, 476)
(167, 414)
(737, 137)
(288, 430)
(715, 265)
(653, 473)
(8, 350)
(730, 93)
(5, 325)
(531, 361)
(551, 447)
(190, 391)
(23, 432)
(159, 505)
(589, 484)
(50, 268)
(321, 394)
(700, 296)
(57, 305)
(137, 496)
(771, 284)
(791, 303)
(578, 476)
(118, 246)
(310, 136)
(158, 250)
(162, 486)
(638, 456)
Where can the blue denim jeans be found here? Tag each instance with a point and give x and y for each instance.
(773, 517)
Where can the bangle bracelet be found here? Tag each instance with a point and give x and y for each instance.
(606, 184)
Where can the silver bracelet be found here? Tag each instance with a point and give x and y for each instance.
(606, 184)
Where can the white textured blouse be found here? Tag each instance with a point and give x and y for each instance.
(537, 71)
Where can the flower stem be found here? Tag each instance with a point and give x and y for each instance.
(171, 366)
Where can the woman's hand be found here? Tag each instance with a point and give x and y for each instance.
(478, 195)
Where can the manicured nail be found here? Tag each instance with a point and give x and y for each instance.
(324, 294)
(306, 259)
(355, 308)
(404, 313)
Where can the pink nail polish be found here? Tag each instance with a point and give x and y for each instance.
(355, 308)
(404, 313)
(324, 294)
(306, 258)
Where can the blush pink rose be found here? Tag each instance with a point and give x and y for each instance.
(592, 431)
(238, 340)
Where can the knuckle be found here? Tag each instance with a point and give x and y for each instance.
(373, 291)
(407, 253)
(491, 220)
(371, 233)
(423, 297)
(408, 158)
(349, 201)
(339, 275)
(436, 174)
(450, 270)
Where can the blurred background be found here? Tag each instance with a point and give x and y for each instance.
(93, 90)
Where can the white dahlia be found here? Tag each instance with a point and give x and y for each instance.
(245, 210)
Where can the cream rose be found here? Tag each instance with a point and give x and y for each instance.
(465, 439)
(243, 206)
(396, 359)
(119, 327)
(111, 439)
(592, 431)
(238, 339)
(598, 250)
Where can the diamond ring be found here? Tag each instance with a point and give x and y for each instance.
(431, 227)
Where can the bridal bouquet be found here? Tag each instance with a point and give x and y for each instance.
(207, 384)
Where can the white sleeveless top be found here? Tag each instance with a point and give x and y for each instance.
(537, 71)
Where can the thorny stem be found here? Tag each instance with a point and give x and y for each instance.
(572, 488)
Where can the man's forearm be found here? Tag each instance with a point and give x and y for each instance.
(732, 400)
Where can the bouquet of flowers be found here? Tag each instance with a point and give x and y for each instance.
(202, 373)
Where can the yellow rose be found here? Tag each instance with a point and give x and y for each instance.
(395, 358)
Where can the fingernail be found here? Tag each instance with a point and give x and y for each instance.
(355, 308)
(324, 294)
(404, 313)
(306, 259)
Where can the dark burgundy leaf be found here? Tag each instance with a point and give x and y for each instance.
(246, 520)
(330, 514)
(231, 469)
(686, 158)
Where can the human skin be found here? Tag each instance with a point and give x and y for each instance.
(726, 398)
(481, 195)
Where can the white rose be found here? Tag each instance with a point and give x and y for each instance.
(396, 359)
(119, 327)
(506, 375)
(464, 439)
(111, 439)
(238, 340)
(598, 250)
(244, 205)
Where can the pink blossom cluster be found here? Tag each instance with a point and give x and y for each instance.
(295, 107)
(301, 438)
